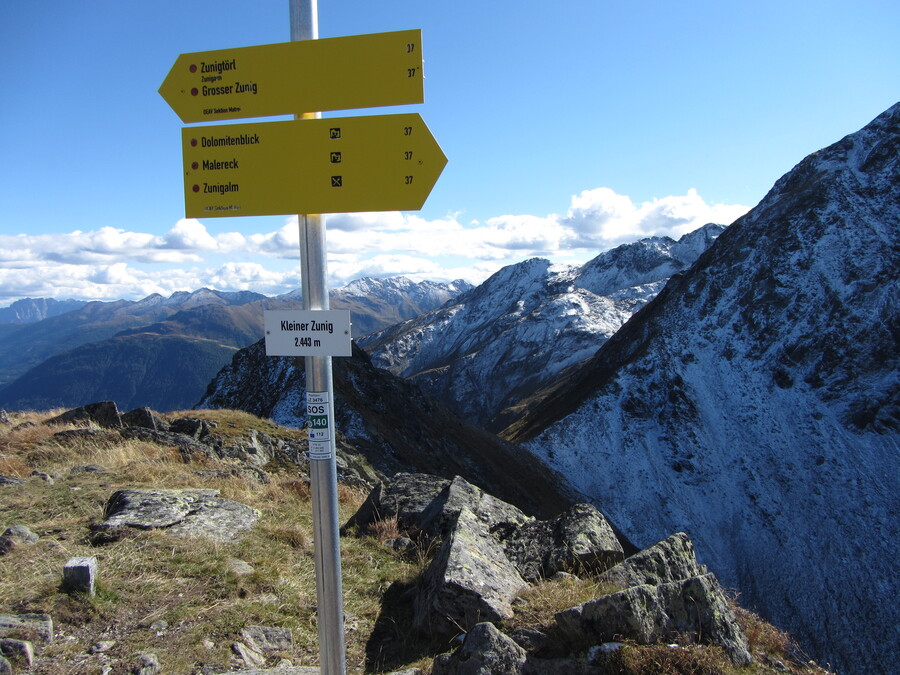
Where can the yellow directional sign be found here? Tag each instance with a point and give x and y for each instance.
(359, 71)
(337, 165)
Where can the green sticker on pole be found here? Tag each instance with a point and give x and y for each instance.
(319, 425)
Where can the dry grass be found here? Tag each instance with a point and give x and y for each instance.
(149, 576)
(536, 605)
(667, 660)
(384, 529)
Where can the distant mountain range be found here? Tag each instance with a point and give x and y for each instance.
(162, 352)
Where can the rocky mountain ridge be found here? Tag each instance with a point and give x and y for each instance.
(499, 342)
(755, 403)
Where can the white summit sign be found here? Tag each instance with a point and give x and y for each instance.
(320, 332)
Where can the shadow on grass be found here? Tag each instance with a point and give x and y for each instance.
(394, 643)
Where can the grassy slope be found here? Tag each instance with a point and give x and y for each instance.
(150, 576)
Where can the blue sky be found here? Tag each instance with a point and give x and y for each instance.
(570, 127)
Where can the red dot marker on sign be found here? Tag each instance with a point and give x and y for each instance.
(193, 142)
(194, 91)
(196, 188)
(193, 68)
(195, 165)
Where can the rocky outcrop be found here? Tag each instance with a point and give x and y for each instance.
(469, 581)
(195, 439)
(490, 551)
(650, 614)
(183, 513)
(486, 651)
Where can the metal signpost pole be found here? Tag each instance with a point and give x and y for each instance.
(320, 391)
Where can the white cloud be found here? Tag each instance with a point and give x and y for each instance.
(189, 234)
(116, 263)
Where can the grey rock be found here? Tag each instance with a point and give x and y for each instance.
(470, 580)
(86, 468)
(145, 663)
(670, 560)
(9, 480)
(104, 414)
(579, 540)
(256, 448)
(102, 646)
(239, 567)
(440, 516)
(183, 513)
(190, 426)
(46, 477)
(405, 497)
(17, 535)
(268, 638)
(145, 418)
(20, 652)
(485, 651)
(4, 417)
(5, 667)
(531, 640)
(40, 624)
(649, 614)
(250, 657)
(80, 575)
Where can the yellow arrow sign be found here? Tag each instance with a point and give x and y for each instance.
(338, 165)
(358, 71)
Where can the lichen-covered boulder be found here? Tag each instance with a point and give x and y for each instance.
(470, 580)
(649, 614)
(670, 560)
(184, 513)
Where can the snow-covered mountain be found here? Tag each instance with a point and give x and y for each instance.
(755, 404)
(29, 310)
(497, 343)
(376, 303)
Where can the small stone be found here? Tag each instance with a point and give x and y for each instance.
(250, 657)
(79, 575)
(102, 646)
(20, 652)
(15, 536)
(268, 638)
(159, 625)
(145, 663)
(239, 567)
(41, 624)
(208, 644)
(46, 477)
